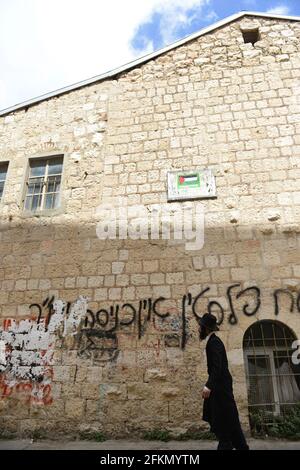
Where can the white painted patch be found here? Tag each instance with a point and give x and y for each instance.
(77, 314)
(57, 318)
(2, 355)
(27, 347)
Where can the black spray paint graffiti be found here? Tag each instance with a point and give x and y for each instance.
(97, 336)
(47, 304)
(100, 345)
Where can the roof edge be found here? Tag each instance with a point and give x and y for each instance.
(142, 60)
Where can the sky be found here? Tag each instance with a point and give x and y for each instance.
(49, 44)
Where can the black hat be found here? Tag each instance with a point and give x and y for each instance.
(209, 321)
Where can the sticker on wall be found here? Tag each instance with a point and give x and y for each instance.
(192, 184)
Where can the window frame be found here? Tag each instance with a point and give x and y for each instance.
(5, 162)
(269, 351)
(44, 212)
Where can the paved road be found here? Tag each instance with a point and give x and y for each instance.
(139, 445)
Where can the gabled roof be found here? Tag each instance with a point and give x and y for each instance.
(144, 59)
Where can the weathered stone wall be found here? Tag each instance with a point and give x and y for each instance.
(77, 358)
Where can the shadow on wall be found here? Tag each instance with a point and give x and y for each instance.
(64, 289)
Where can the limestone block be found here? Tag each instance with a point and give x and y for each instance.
(74, 408)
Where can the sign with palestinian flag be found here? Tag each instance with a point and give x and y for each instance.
(188, 181)
(193, 184)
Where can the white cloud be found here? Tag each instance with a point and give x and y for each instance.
(175, 15)
(211, 16)
(279, 10)
(48, 44)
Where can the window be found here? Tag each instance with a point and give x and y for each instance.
(43, 184)
(272, 378)
(251, 35)
(3, 173)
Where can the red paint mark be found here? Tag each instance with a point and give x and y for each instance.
(6, 390)
(7, 324)
(32, 393)
(47, 398)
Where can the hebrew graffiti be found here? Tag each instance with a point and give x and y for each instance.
(27, 345)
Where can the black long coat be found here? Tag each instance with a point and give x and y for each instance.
(219, 410)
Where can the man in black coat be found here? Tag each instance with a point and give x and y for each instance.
(219, 408)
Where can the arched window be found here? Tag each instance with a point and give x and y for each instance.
(273, 379)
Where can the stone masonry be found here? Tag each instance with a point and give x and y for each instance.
(101, 335)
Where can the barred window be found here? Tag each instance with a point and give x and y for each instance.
(3, 173)
(273, 378)
(44, 184)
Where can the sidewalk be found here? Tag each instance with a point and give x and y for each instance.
(254, 444)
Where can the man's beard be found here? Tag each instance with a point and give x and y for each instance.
(203, 334)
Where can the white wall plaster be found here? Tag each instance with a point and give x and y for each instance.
(26, 347)
(2, 354)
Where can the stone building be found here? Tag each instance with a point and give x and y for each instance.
(101, 335)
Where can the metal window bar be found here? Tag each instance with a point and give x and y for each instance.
(43, 191)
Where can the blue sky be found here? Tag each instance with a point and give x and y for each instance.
(49, 44)
(159, 31)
